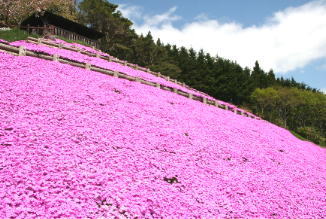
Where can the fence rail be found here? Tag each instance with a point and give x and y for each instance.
(22, 51)
(53, 30)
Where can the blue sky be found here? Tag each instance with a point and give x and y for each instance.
(288, 36)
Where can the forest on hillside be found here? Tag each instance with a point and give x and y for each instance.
(285, 102)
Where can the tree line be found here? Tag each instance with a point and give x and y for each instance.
(285, 102)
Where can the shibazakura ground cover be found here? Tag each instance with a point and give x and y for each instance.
(76, 143)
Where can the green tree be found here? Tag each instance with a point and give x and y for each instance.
(13, 12)
(104, 17)
(300, 110)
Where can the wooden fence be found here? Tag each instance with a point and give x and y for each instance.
(22, 51)
(110, 59)
(53, 30)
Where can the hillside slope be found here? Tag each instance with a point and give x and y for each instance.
(76, 143)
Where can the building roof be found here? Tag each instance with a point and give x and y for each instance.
(59, 21)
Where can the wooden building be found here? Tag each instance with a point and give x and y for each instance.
(52, 24)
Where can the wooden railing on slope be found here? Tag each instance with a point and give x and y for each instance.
(51, 29)
(110, 59)
(22, 51)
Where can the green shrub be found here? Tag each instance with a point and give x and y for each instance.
(14, 34)
(312, 134)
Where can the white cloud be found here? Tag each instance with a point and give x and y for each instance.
(131, 12)
(202, 17)
(161, 19)
(287, 41)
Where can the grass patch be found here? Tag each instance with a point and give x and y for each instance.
(73, 41)
(321, 144)
(15, 35)
(298, 136)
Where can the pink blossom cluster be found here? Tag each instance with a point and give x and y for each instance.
(4, 41)
(80, 144)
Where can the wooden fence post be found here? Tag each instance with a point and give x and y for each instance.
(55, 58)
(205, 100)
(88, 66)
(190, 96)
(115, 74)
(22, 51)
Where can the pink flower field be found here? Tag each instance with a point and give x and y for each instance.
(79, 144)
